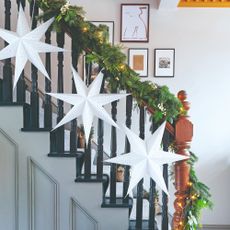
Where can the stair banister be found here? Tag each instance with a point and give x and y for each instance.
(183, 138)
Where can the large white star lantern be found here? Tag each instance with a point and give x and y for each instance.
(87, 103)
(25, 45)
(146, 158)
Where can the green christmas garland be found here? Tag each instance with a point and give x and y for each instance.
(93, 41)
(197, 199)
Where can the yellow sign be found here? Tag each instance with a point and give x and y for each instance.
(204, 3)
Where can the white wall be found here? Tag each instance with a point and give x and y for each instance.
(201, 39)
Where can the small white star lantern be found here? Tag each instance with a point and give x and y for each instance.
(25, 45)
(87, 103)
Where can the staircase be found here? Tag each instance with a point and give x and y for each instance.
(48, 181)
(46, 185)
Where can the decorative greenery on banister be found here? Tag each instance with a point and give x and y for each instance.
(93, 41)
(199, 197)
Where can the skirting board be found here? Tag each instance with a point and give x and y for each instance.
(217, 227)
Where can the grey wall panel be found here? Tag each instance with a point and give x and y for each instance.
(80, 218)
(43, 190)
(8, 182)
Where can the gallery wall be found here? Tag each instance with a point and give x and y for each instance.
(202, 68)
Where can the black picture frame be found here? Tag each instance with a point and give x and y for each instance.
(164, 62)
(138, 60)
(134, 27)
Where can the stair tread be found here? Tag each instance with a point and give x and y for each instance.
(145, 225)
(119, 203)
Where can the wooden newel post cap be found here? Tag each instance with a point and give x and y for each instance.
(182, 96)
(183, 128)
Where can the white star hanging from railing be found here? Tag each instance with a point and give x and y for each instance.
(25, 45)
(146, 158)
(87, 103)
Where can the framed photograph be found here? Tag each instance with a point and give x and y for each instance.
(134, 23)
(164, 63)
(138, 60)
(110, 25)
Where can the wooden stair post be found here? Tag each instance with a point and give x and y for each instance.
(183, 137)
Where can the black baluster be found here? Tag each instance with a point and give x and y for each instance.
(152, 211)
(166, 142)
(113, 148)
(34, 97)
(88, 70)
(22, 2)
(21, 86)
(139, 208)
(152, 193)
(87, 168)
(7, 68)
(100, 150)
(129, 105)
(73, 129)
(47, 101)
(100, 141)
(60, 88)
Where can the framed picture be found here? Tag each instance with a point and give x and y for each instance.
(134, 23)
(138, 60)
(110, 25)
(164, 63)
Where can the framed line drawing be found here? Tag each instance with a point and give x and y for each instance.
(134, 23)
(138, 60)
(164, 63)
(110, 25)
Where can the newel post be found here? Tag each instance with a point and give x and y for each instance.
(183, 138)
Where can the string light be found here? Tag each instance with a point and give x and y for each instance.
(190, 184)
(85, 29)
(193, 197)
(121, 66)
(182, 110)
(99, 34)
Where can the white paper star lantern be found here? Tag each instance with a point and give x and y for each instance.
(146, 158)
(87, 103)
(25, 45)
